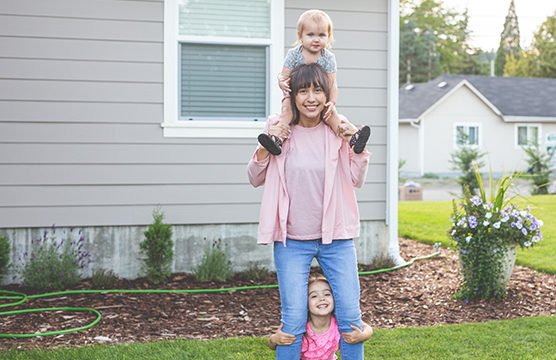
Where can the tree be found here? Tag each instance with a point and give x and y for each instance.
(545, 45)
(418, 58)
(509, 41)
(540, 61)
(435, 41)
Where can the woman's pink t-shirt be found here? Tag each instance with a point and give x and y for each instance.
(304, 173)
(322, 346)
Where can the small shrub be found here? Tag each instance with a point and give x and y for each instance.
(539, 167)
(430, 176)
(157, 247)
(254, 272)
(104, 279)
(55, 264)
(462, 160)
(4, 255)
(214, 266)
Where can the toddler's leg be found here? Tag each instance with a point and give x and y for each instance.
(273, 143)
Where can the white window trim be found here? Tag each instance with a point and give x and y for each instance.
(527, 125)
(455, 132)
(171, 124)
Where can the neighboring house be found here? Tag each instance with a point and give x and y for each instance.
(109, 109)
(499, 115)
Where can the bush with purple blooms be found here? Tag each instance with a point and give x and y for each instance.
(482, 229)
(54, 262)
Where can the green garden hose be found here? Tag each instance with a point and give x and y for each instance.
(21, 298)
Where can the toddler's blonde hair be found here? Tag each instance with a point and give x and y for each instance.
(319, 17)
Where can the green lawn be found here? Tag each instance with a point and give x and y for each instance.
(526, 338)
(428, 221)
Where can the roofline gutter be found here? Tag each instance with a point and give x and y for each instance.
(532, 119)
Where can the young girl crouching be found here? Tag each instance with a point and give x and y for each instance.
(322, 336)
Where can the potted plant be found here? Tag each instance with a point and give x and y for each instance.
(486, 231)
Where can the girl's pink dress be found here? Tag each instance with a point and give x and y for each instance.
(322, 346)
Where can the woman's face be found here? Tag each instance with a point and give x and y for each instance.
(321, 301)
(310, 102)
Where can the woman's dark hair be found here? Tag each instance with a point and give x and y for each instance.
(303, 76)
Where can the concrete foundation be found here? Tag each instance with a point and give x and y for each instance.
(116, 248)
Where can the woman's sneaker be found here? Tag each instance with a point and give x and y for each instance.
(359, 139)
(270, 142)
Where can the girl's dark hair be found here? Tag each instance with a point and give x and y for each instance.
(303, 76)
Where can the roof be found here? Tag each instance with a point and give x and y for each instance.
(512, 96)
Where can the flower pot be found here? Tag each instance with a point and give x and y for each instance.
(508, 262)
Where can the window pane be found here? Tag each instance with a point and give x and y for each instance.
(227, 18)
(522, 135)
(473, 135)
(223, 81)
(533, 134)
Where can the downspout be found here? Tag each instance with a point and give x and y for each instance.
(392, 155)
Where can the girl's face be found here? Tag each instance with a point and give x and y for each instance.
(314, 37)
(310, 102)
(321, 302)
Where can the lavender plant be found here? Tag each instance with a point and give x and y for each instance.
(52, 263)
(484, 229)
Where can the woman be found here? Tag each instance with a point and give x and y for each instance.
(309, 209)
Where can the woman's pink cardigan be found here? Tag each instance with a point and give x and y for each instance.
(344, 170)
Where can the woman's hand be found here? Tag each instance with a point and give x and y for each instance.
(357, 336)
(281, 131)
(346, 130)
(280, 338)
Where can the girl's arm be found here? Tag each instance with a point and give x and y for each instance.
(280, 338)
(284, 80)
(357, 336)
(333, 88)
(330, 105)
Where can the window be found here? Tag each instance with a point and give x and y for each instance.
(527, 134)
(467, 135)
(220, 62)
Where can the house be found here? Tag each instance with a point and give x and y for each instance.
(110, 109)
(499, 115)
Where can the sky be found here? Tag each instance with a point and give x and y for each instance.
(486, 19)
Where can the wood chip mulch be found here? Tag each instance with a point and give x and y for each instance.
(418, 295)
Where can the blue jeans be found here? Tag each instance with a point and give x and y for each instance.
(339, 264)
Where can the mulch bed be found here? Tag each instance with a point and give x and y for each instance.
(418, 295)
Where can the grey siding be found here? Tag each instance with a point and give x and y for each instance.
(81, 103)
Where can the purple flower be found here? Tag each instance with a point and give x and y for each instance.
(524, 231)
(464, 251)
(472, 221)
(476, 200)
(527, 244)
(495, 251)
(52, 267)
